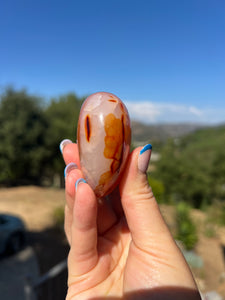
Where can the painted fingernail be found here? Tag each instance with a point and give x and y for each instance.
(80, 180)
(69, 167)
(63, 144)
(144, 157)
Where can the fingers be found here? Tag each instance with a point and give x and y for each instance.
(83, 253)
(80, 214)
(70, 152)
(150, 234)
(72, 174)
(80, 221)
(142, 212)
(106, 216)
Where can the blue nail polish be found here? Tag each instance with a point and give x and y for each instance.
(69, 167)
(80, 180)
(145, 148)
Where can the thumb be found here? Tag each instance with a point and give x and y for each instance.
(143, 216)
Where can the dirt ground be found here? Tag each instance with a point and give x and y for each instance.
(36, 207)
(211, 277)
(34, 204)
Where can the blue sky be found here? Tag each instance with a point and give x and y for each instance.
(165, 59)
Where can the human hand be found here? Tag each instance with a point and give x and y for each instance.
(120, 247)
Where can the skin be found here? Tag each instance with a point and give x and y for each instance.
(121, 248)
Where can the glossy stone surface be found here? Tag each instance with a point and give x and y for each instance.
(103, 137)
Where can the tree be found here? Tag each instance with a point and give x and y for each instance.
(185, 172)
(218, 174)
(22, 129)
(167, 169)
(62, 115)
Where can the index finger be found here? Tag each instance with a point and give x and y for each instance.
(70, 152)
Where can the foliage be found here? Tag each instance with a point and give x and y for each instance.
(190, 169)
(30, 134)
(216, 213)
(157, 188)
(193, 168)
(209, 230)
(186, 229)
(22, 131)
(218, 173)
(62, 115)
(58, 217)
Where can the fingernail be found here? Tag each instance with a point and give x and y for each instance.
(144, 157)
(69, 167)
(63, 144)
(80, 180)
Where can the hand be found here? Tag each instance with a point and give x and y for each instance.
(120, 247)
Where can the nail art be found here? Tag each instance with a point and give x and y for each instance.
(145, 148)
(144, 157)
(69, 167)
(64, 143)
(80, 180)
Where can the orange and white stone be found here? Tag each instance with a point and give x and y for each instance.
(103, 136)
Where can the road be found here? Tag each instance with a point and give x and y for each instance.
(13, 273)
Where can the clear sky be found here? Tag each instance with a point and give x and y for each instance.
(164, 58)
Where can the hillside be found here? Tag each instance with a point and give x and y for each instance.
(211, 137)
(161, 132)
(196, 161)
(205, 146)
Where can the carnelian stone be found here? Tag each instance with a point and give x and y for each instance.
(103, 137)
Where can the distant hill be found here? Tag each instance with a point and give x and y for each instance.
(193, 167)
(160, 133)
(208, 140)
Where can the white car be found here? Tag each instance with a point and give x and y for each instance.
(12, 234)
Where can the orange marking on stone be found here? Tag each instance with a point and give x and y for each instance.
(123, 126)
(118, 134)
(104, 179)
(122, 107)
(112, 100)
(87, 125)
(78, 132)
(114, 142)
(114, 138)
(114, 166)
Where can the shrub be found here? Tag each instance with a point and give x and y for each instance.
(186, 229)
(58, 217)
(157, 188)
(216, 213)
(210, 230)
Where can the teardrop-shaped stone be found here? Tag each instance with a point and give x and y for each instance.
(103, 136)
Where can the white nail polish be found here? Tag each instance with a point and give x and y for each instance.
(68, 168)
(63, 144)
(80, 180)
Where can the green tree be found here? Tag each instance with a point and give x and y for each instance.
(167, 169)
(192, 168)
(185, 173)
(62, 115)
(218, 174)
(157, 188)
(22, 129)
(186, 228)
